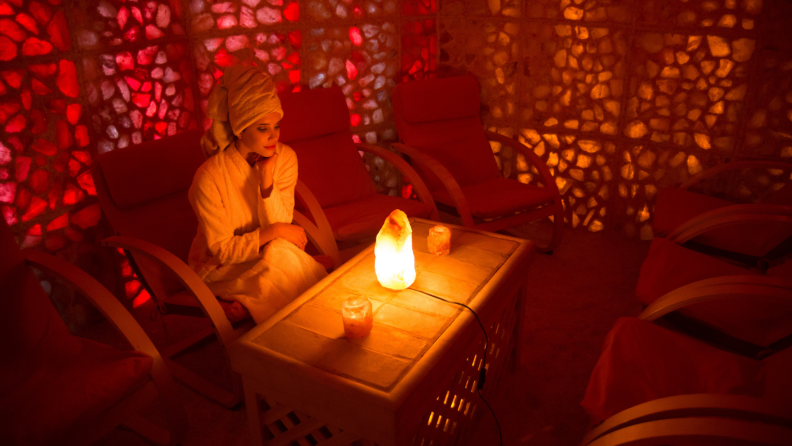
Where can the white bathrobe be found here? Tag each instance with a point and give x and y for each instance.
(225, 253)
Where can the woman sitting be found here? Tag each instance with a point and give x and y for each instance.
(246, 250)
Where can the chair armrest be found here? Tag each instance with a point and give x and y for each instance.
(716, 170)
(719, 288)
(693, 405)
(698, 430)
(322, 240)
(124, 323)
(540, 165)
(730, 215)
(406, 170)
(97, 294)
(186, 276)
(451, 185)
(311, 204)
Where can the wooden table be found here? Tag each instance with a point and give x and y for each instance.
(413, 378)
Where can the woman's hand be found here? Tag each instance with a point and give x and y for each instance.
(292, 233)
(266, 169)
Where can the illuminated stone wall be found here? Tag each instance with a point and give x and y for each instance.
(619, 98)
(82, 77)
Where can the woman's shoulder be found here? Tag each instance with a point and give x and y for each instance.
(210, 169)
(286, 151)
(286, 154)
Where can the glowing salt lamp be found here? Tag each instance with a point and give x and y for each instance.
(394, 261)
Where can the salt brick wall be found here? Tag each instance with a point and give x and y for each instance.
(619, 98)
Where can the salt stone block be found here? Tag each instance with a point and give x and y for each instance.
(357, 317)
(413, 322)
(439, 240)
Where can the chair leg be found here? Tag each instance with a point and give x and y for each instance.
(558, 228)
(225, 398)
(152, 432)
(252, 404)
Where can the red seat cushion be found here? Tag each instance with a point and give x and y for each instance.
(325, 260)
(60, 389)
(497, 197)
(675, 206)
(777, 369)
(641, 362)
(440, 117)
(750, 318)
(364, 218)
(669, 266)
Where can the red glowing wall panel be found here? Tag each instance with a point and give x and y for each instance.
(276, 53)
(139, 95)
(43, 153)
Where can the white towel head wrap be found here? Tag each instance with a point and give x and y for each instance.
(241, 97)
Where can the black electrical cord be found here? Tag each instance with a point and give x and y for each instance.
(483, 372)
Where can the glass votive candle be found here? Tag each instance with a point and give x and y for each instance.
(356, 313)
(439, 240)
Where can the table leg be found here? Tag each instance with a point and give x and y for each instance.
(253, 405)
(516, 354)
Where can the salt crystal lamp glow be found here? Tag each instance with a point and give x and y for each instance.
(394, 261)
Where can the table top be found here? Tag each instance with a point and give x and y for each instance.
(305, 342)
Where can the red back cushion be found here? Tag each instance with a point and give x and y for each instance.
(316, 125)
(313, 113)
(143, 192)
(441, 118)
(152, 170)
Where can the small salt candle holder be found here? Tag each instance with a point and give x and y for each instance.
(356, 313)
(439, 240)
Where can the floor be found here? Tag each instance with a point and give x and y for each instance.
(576, 295)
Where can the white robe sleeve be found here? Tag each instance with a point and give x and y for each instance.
(279, 206)
(214, 221)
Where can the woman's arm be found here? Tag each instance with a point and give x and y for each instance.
(292, 233)
(209, 202)
(278, 179)
(277, 203)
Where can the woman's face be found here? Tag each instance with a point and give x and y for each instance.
(261, 136)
